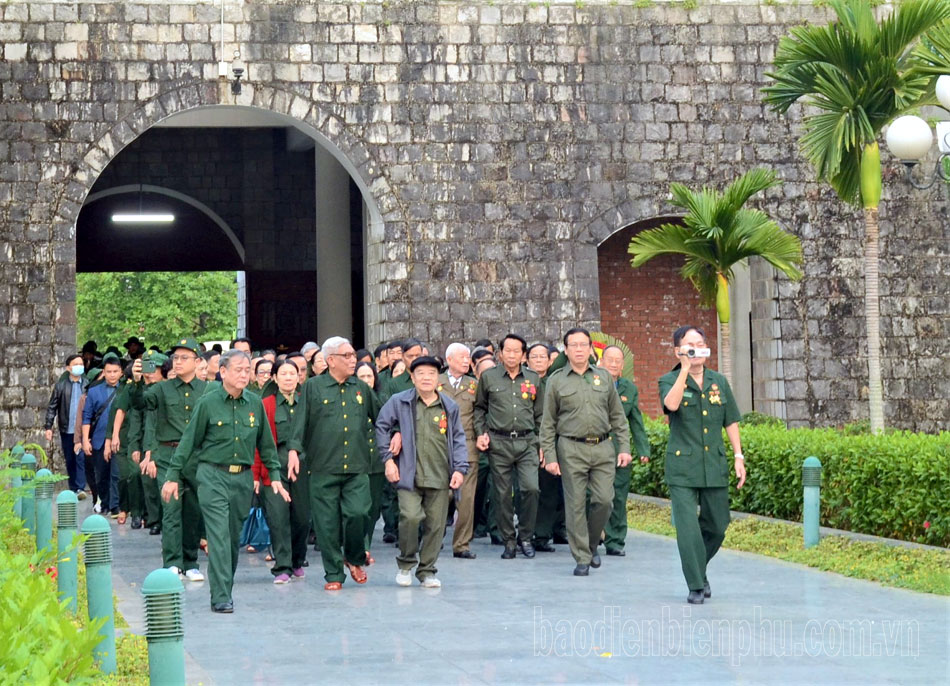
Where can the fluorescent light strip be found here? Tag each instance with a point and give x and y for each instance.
(143, 218)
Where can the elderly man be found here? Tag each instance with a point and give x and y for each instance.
(227, 426)
(330, 427)
(460, 387)
(582, 410)
(430, 465)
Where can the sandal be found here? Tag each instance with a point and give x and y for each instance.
(268, 558)
(251, 549)
(204, 546)
(359, 576)
(122, 517)
(333, 586)
(369, 559)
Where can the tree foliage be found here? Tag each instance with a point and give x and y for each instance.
(158, 307)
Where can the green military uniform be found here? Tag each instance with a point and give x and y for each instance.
(697, 471)
(580, 412)
(509, 411)
(218, 446)
(131, 495)
(463, 393)
(169, 406)
(151, 494)
(331, 426)
(377, 485)
(616, 529)
(390, 386)
(289, 522)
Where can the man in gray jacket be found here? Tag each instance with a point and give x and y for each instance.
(432, 462)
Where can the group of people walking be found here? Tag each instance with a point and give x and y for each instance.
(524, 443)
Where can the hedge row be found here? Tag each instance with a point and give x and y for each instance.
(894, 484)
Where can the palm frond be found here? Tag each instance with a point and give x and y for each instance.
(909, 22)
(668, 239)
(932, 54)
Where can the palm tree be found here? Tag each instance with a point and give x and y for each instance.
(716, 234)
(859, 75)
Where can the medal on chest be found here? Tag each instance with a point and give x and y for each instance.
(714, 396)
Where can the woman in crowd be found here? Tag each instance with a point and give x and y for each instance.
(366, 372)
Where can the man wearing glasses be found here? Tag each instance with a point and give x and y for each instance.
(168, 407)
(330, 428)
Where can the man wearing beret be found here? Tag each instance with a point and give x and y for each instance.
(431, 464)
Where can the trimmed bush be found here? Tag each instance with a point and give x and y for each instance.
(894, 484)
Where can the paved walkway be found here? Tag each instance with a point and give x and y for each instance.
(530, 621)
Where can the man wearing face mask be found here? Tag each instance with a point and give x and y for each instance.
(168, 410)
(63, 407)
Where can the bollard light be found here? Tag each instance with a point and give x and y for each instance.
(16, 455)
(28, 503)
(97, 552)
(164, 630)
(67, 568)
(811, 507)
(44, 508)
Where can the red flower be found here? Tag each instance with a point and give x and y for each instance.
(51, 572)
(926, 525)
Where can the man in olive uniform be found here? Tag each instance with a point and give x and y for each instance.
(136, 420)
(228, 425)
(508, 406)
(699, 404)
(169, 406)
(131, 496)
(460, 387)
(616, 530)
(330, 427)
(581, 410)
(550, 520)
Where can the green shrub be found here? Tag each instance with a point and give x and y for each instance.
(40, 641)
(895, 484)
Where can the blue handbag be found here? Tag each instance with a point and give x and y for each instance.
(255, 532)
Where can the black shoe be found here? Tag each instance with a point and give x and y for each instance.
(479, 534)
(582, 570)
(389, 538)
(228, 607)
(695, 598)
(615, 553)
(497, 541)
(527, 549)
(558, 538)
(136, 523)
(464, 554)
(707, 592)
(155, 530)
(510, 550)
(595, 561)
(543, 547)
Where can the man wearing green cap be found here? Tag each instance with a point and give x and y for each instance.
(218, 446)
(169, 406)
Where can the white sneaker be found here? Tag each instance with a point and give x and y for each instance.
(431, 582)
(177, 571)
(194, 575)
(404, 577)
(97, 508)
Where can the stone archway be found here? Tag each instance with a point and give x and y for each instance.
(313, 119)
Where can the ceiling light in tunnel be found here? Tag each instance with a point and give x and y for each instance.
(143, 218)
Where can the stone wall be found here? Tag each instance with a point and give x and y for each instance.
(498, 145)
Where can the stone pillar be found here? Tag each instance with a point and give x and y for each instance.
(334, 295)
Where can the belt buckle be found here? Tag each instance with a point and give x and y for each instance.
(591, 440)
(234, 469)
(513, 435)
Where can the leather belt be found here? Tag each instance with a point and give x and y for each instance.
(589, 440)
(511, 434)
(231, 468)
(170, 444)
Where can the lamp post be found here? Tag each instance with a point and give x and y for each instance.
(909, 138)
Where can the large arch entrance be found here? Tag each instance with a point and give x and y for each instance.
(251, 191)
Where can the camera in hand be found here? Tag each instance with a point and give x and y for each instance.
(697, 352)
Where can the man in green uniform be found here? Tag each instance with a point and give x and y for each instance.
(169, 406)
(136, 419)
(228, 425)
(699, 404)
(430, 464)
(330, 427)
(508, 408)
(616, 530)
(460, 387)
(550, 497)
(131, 496)
(581, 410)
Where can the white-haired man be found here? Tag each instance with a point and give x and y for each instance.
(460, 387)
(330, 427)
